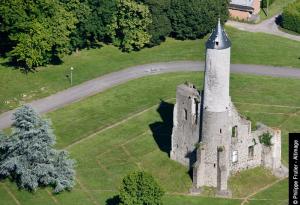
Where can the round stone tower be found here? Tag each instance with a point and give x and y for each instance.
(216, 128)
(217, 71)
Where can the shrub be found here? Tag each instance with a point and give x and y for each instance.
(139, 188)
(291, 17)
(265, 139)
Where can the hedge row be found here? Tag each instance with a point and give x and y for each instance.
(291, 17)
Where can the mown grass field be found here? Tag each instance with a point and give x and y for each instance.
(122, 129)
(248, 48)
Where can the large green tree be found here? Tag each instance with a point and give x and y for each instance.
(140, 188)
(94, 18)
(103, 14)
(161, 25)
(28, 157)
(129, 27)
(192, 19)
(79, 38)
(38, 30)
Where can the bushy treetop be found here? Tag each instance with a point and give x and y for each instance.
(140, 188)
(38, 30)
(161, 25)
(193, 19)
(129, 27)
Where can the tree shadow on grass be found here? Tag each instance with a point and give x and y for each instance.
(162, 131)
(115, 200)
(13, 65)
(278, 20)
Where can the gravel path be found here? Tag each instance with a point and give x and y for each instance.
(267, 26)
(102, 83)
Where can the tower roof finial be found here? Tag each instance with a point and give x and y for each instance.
(218, 39)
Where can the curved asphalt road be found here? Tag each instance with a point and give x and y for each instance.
(267, 26)
(102, 83)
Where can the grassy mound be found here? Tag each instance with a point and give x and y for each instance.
(125, 129)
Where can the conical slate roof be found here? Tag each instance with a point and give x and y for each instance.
(218, 39)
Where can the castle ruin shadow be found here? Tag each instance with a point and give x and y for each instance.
(162, 131)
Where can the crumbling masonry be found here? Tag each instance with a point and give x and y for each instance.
(209, 135)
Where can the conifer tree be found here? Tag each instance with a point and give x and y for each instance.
(28, 157)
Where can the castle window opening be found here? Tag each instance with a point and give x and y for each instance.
(185, 114)
(234, 131)
(234, 156)
(251, 152)
(220, 131)
(195, 110)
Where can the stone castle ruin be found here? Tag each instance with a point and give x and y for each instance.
(210, 136)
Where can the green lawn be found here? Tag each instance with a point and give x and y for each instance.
(274, 8)
(105, 156)
(247, 91)
(249, 181)
(248, 48)
(278, 193)
(190, 200)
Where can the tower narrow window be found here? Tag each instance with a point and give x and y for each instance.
(185, 114)
(251, 152)
(234, 131)
(195, 111)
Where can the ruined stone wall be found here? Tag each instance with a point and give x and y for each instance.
(186, 128)
(213, 168)
(242, 143)
(269, 157)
